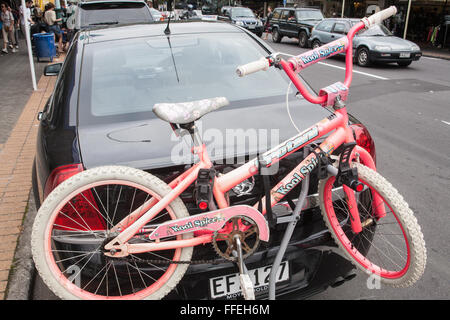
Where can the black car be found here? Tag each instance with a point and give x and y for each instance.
(94, 13)
(294, 23)
(101, 113)
(243, 17)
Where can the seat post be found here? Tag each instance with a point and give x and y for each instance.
(193, 131)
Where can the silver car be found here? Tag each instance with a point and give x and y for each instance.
(377, 44)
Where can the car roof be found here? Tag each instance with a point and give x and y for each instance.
(155, 29)
(84, 1)
(107, 1)
(298, 9)
(341, 19)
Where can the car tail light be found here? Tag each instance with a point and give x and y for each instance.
(59, 175)
(363, 139)
(82, 211)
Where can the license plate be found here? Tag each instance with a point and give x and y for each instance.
(405, 54)
(230, 285)
(251, 26)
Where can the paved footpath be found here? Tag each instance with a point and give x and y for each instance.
(16, 158)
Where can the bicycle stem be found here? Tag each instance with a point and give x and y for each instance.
(295, 64)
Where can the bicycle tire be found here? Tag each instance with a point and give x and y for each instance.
(47, 250)
(364, 257)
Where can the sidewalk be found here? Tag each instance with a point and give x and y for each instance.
(16, 158)
(430, 51)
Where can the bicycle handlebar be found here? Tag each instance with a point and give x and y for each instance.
(295, 64)
(252, 67)
(378, 17)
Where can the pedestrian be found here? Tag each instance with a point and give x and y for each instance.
(53, 27)
(15, 14)
(7, 28)
(267, 24)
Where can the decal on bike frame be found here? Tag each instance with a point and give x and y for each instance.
(290, 146)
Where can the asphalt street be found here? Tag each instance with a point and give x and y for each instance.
(407, 112)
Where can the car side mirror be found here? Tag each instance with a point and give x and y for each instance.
(52, 69)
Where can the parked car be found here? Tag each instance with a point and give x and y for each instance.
(123, 72)
(245, 18)
(156, 14)
(294, 23)
(224, 9)
(376, 44)
(94, 13)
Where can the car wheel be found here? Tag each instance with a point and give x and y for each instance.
(276, 36)
(302, 39)
(315, 44)
(404, 63)
(259, 34)
(363, 57)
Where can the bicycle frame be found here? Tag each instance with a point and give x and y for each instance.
(337, 122)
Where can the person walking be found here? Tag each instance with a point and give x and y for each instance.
(53, 27)
(7, 28)
(267, 24)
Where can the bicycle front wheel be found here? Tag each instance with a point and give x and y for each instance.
(87, 211)
(392, 246)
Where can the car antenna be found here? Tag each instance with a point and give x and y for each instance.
(167, 33)
(167, 30)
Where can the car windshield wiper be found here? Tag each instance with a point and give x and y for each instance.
(101, 23)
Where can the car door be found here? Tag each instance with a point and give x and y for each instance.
(323, 31)
(291, 24)
(339, 30)
(284, 29)
(275, 20)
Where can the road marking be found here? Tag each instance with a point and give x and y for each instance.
(446, 122)
(355, 71)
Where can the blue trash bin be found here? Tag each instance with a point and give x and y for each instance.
(45, 45)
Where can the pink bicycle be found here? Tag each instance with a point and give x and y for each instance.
(116, 232)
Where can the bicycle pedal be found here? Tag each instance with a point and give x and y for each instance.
(247, 286)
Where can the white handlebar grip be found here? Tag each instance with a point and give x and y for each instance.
(378, 17)
(258, 65)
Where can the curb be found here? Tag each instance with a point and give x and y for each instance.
(22, 270)
(437, 55)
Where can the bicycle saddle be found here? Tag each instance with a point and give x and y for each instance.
(187, 112)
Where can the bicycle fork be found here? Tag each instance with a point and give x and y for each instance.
(293, 219)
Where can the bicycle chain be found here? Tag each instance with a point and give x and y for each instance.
(168, 261)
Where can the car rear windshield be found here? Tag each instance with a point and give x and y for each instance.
(127, 77)
(377, 30)
(309, 15)
(113, 13)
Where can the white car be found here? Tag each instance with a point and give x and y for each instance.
(156, 14)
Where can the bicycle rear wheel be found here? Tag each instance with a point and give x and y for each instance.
(81, 216)
(392, 247)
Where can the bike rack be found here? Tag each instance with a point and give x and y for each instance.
(292, 222)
